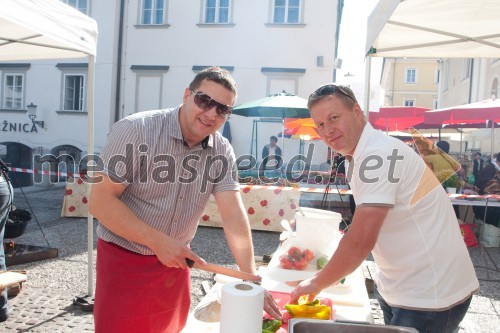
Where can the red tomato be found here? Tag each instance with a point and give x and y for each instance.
(308, 255)
(295, 253)
(285, 262)
(300, 265)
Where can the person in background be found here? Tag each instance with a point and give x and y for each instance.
(6, 197)
(442, 161)
(271, 155)
(149, 204)
(403, 217)
(477, 165)
(488, 182)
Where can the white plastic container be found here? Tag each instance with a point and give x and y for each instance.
(318, 229)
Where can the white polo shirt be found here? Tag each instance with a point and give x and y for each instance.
(420, 252)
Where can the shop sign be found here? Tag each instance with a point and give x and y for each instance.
(6, 126)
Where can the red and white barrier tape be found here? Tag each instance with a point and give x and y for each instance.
(43, 172)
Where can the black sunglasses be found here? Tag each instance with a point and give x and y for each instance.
(330, 89)
(205, 102)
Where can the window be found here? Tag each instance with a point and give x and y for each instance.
(282, 79)
(466, 69)
(286, 11)
(73, 92)
(13, 91)
(81, 5)
(411, 75)
(153, 12)
(217, 11)
(409, 102)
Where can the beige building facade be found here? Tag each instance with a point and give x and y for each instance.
(410, 82)
(468, 80)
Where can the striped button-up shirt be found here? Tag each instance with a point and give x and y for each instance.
(168, 183)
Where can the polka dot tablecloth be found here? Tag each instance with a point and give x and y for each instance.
(76, 198)
(266, 207)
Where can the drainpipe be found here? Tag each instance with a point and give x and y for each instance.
(470, 79)
(119, 62)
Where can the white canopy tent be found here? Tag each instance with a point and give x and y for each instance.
(433, 29)
(50, 29)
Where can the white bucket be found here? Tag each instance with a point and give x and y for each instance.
(319, 227)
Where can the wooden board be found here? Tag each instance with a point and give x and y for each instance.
(8, 279)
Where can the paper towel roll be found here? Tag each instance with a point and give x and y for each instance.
(241, 308)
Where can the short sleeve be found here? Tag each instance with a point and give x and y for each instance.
(119, 156)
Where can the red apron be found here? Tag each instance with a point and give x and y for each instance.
(137, 293)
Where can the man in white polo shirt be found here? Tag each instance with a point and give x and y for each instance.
(403, 217)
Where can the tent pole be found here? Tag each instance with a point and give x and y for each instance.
(90, 152)
(367, 86)
(251, 141)
(461, 133)
(283, 140)
(492, 139)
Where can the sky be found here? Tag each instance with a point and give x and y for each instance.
(351, 47)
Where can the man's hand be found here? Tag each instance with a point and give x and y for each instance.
(271, 307)
(307, 287)
(172, 252)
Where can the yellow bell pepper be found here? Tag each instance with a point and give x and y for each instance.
(313, 310)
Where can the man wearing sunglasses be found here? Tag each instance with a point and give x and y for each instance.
(149, 204)
(403, 217)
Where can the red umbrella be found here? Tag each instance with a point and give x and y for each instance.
(397, 118)
(478, 114)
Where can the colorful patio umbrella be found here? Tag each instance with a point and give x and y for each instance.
(302, 128)
(397, 118)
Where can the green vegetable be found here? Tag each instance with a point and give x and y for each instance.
(342, 281)
(321, 262)
(270, 325)
(266, 331)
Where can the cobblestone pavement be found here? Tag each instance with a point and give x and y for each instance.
(45, 301)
